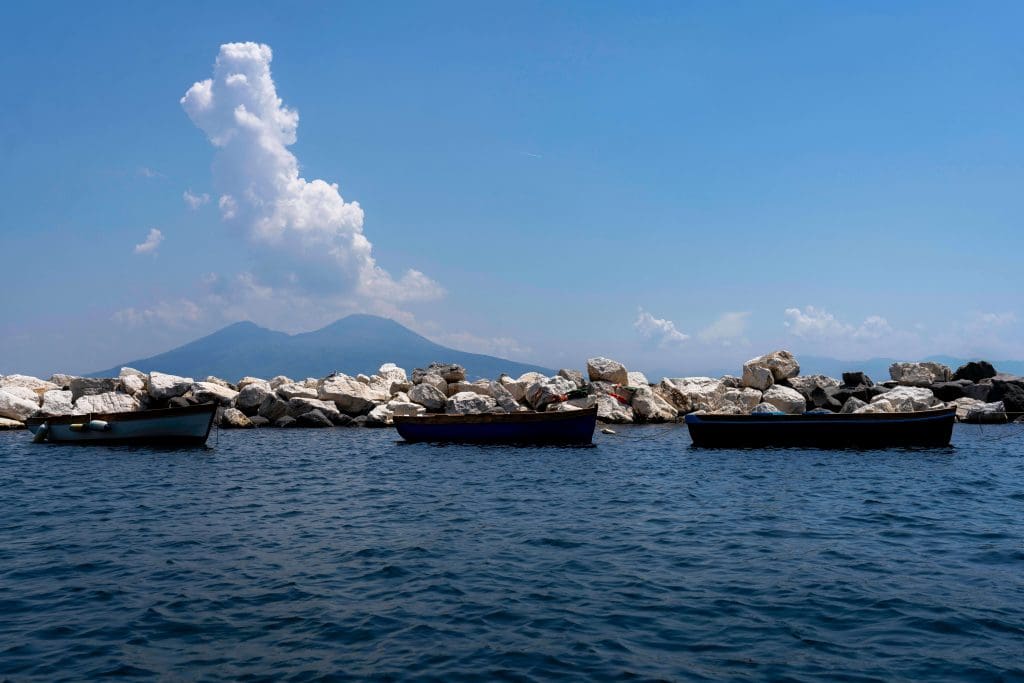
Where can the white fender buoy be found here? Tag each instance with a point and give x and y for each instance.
(606, 430)
(98, 426)
(41, 433)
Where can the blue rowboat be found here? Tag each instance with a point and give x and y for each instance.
(189, 426)
(931, 428)
(570, 427)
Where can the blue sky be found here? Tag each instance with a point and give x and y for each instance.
(678, 185)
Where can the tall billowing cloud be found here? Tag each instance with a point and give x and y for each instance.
(310, 238)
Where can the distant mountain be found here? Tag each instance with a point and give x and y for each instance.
(355, 344)
(878, 368)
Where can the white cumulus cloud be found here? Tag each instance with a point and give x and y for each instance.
(818, 324)
(309, 239)
(153, 240)
(662, 331)
(194, 201)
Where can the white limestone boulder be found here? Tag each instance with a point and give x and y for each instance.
(16, 408)
(636, 378)
(380, 416)
(212, 392)
(806, 384)
(503, 397)
(548, 390)
(781, 365)
(433, 380)
(789, 401)
(27, 382)
(395, 377)
(63, 381)
(607, 370)
(610, 409)
(690, 394)
(574, 376)
(906, 399)
(428, 396)
(280, 380)
(296, 390)
(26, 394)
(852, 405)
(405, 409)
(247, 380)
(58, 402)
(468, 403)
(516, 388)
(163, 386)
(252, 396)
(739, 401)
(299, 405)
(649, 407)
(757, 377)
(133, 385)
(235, 419)
(91, 386)
(9, 424)
(482, 387)
(919, 374)
(110, 402)
(976, 411)
(879, 406)
(351, 395)
(766, 409)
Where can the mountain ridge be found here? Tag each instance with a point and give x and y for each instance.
(357, 343)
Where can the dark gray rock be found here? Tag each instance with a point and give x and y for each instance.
(1011, 393)
(975, 371)
(178, 402)
(451, 372)
(285, 422)
(980, 391)
(92, 386)
(258, 421)
(273, 408)
(856, 379)
(314, 418)
(821, 398)
(342, 420)
(950, 391)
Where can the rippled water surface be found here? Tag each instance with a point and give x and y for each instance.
(340, 553)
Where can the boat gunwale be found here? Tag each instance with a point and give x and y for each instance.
(819, 418)
(128, 416)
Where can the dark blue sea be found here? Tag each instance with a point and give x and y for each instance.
(340, 554)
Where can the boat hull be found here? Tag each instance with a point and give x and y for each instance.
(932, 428)
(565, 428)
(189, 426)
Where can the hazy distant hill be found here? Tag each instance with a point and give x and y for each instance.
(357, 343)
(878, 368)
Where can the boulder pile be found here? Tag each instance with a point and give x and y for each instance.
(771, 383)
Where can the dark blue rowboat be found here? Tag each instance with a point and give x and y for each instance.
(933, 428)
(570, 427)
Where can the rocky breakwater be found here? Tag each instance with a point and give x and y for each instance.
(771, 383)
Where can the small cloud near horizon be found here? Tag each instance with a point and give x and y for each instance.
(153, 240)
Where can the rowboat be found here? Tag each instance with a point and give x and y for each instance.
(931, 428)
(188, 426)
(569, 427)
